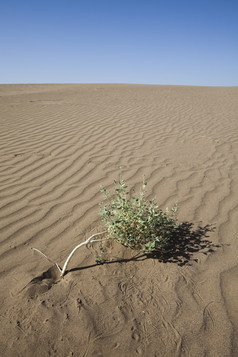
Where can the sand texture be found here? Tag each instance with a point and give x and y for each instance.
(58, 144)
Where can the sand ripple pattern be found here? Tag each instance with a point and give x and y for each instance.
(58, 144)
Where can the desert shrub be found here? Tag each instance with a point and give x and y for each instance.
(135, 222)
(132, 221)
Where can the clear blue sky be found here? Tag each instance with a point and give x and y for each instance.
(191, 42)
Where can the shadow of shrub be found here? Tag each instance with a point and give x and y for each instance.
(185, 241)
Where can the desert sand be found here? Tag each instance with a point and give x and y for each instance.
(58, 144)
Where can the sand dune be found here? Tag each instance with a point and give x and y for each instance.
(58, 144)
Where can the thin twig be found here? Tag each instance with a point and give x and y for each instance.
(89, 240)
(51, 261)
(99, 240)
(77, 247)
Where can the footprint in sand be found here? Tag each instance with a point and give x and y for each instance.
(135, 334)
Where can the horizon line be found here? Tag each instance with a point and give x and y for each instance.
(115, 83)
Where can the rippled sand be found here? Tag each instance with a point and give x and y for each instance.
(58, 144)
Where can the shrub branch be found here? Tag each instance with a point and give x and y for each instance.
(63, 270)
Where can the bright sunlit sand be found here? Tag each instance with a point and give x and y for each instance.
(58, 145)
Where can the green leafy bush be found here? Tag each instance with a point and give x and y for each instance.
(136, 222)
